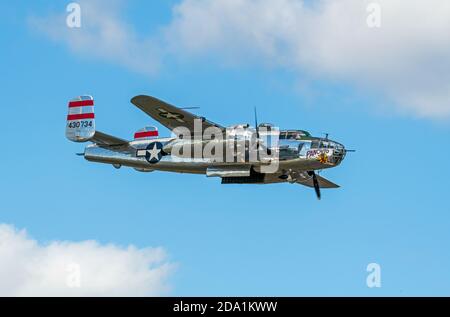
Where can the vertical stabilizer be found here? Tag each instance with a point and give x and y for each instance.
(81, 119)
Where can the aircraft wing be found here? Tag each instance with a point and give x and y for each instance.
(323, 183)
(168, 115)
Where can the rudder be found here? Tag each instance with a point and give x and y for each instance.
(81, 119)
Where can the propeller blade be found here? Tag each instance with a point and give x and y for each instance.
(316, 184)
(256, 121)
(257, 131)
(258, 141)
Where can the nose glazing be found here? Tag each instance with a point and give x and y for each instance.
(338, 154)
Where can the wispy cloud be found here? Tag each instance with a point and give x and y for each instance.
(87, 268)
(103, 35)
(406, 59)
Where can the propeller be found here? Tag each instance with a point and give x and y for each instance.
(316, 183)
(258, 143)
(257, 130)
(256, 123)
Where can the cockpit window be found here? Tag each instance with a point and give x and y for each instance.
(327, 145)
(300, 146)
(314, 144)
(293, 135)
(289, 135)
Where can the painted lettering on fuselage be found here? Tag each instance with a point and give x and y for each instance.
(316, 153)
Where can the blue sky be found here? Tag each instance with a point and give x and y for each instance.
(391, 209)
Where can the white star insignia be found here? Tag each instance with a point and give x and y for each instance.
(170, 115)
(154, 152)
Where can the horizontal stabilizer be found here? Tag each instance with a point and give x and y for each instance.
(81, 124)
(105, 139)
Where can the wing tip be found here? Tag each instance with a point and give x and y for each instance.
(138, 98)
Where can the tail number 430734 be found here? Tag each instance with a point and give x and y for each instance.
(80, 124)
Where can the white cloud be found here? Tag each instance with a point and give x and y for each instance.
(103, 34)
(406, 60)
(83, 268)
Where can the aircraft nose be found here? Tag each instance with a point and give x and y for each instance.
(339, 154)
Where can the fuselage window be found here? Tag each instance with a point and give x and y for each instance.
(290, 136)
(300, 146)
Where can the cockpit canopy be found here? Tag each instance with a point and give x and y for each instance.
(325, 144)
(293, 134)
(266, 125)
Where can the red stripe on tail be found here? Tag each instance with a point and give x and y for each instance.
(80, 116)
(146, 134)
(81, 103)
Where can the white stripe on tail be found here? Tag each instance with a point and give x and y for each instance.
(81, 119)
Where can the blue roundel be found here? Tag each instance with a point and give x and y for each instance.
(154, 152)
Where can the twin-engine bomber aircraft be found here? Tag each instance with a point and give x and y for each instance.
(239, 154)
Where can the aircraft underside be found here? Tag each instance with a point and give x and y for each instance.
(292, 171)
